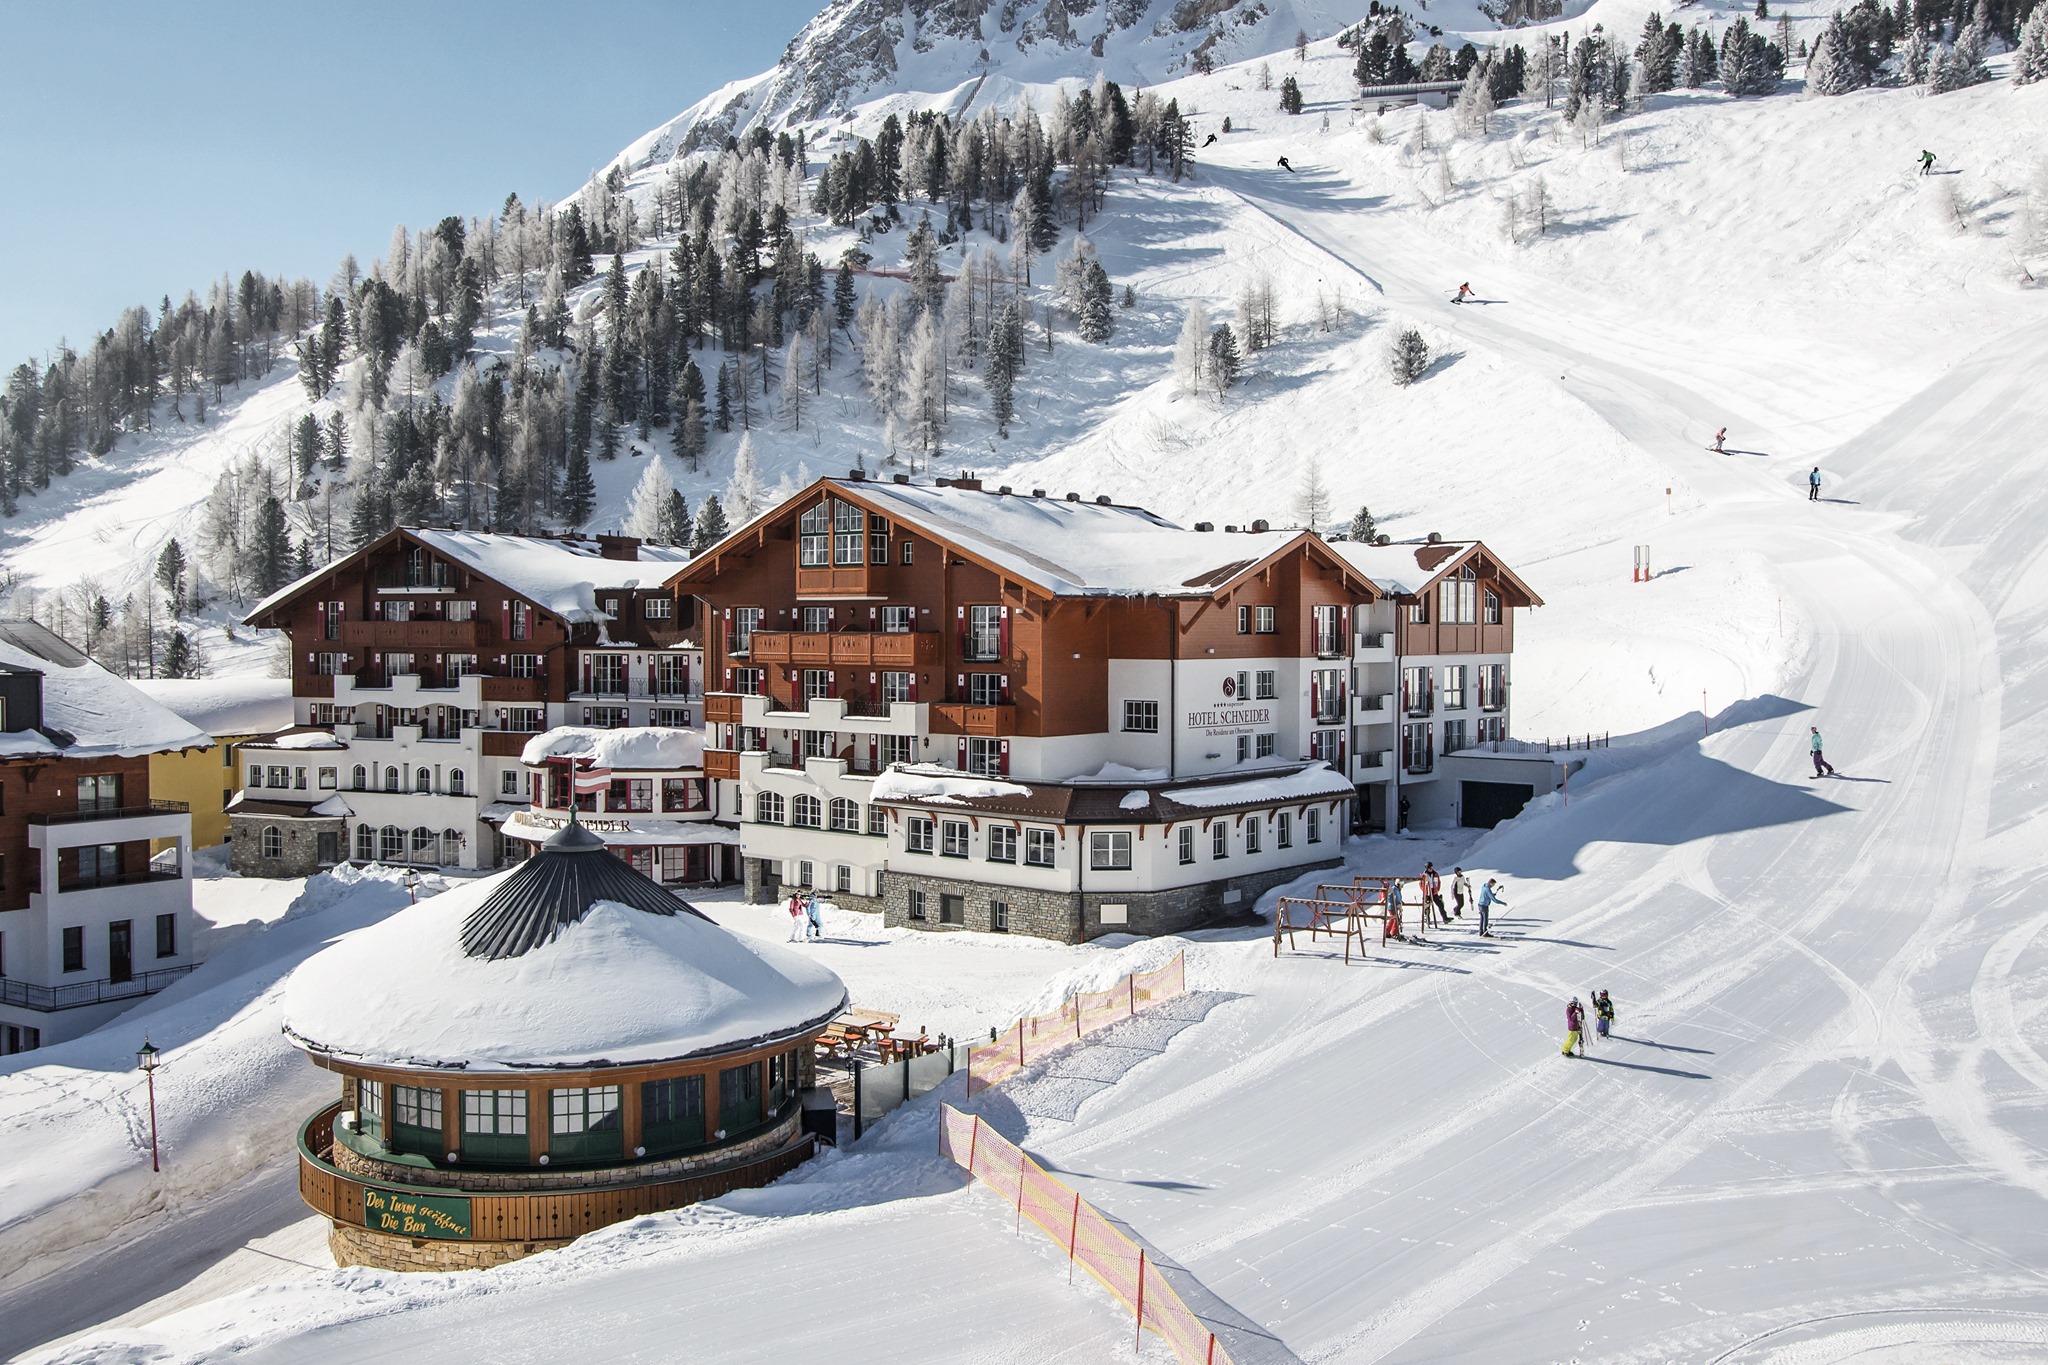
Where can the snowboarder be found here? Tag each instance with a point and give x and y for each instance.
(1211, 140)
(796, 918)
(1820, 764)
(1463, 290)
(1926, 162)
(1461, 891)
(1432, 896)
(814, 918)
(1285, 167)
(1489, 896)
(1720, 437)
(1603, 1013)
(1575, 1024)
(1813, 485)
(1404, 814)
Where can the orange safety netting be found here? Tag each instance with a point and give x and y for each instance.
(995, 1062)
(1093, 1243)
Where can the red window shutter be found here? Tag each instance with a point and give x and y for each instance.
(1003, 632)
(1343, 691)
(913, 689)
(504, 620)
(960, 686)
(1404, 746)
(874, 746)
(1404, 689)
(832, 684)
(1315, 693)
(963, 754)
(728, 680)
(1429, 689)
(1004, 696)
(1003, 758)
(960, 620)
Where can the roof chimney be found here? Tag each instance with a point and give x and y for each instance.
(1205, 526)
(1383, 539)
(1102, 499)
(1073, 497)
(1003, 492)
(1436, 537)
(1229, 529)
(899, 478)
(971, 485)
(942, 482)
(857, 475)
(1038, 492)
(1261, 526)
(617, 547)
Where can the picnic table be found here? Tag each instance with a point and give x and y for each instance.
(856, 1028)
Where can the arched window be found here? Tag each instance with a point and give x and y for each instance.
(392, 843)
(425, 843)
(806, 812)
(768, 808)
(391, 779)
(845, 816)
(273, 842)
(422, 779)
(366, 840)
(361, 777)
(451, 847)
(456, 783)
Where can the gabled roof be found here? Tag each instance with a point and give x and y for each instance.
(1065, 548)
(1409, 568)
(225, 706)
(560, 575)
(87, 711)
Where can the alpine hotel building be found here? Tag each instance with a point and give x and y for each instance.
(986, 709)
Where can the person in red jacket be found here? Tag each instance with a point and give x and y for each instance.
(1575, 1024)
(1432, 897)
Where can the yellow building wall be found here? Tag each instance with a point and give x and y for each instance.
(203, 779)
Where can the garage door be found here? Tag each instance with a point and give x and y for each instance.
(1486, 804)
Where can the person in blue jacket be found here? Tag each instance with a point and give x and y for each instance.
(1489, 896)
(1820, 764)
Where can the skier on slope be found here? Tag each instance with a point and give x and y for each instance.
(1489, 896)
(1432, 896)
(1211, 140)
(1575, 1024)
(1719, 438)
(1926, 163)
(1463, 291)
(1285, 167)
(1820, 764)
(1813, 485)
(1603, 1013)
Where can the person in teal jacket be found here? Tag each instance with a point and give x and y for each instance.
(1821, 767)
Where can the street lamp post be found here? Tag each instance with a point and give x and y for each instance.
(412, 886)
(148, 1058)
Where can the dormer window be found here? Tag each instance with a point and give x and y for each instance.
(849, 535)
(814, 538)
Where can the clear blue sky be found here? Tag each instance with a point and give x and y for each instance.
(145, 148)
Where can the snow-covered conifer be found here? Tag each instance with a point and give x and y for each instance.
(711, 526)
(1096, 321)
(1312, 496)
(1828, 70)
(1191, 351)
(1224, 362)
(924, 386)
(1408, 357)
(743, 492)
(1005, 345)
(2030, 58)
(649, 502)
(1363, 527)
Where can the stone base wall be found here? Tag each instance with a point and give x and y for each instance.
(500, 1180)
(1076, 917)
(845, 900)
(301, 852)
(359, 1246)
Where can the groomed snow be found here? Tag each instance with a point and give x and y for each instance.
(619, 985)
(635, 748)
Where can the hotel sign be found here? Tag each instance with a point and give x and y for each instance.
(415, 1215)
(1229, 716)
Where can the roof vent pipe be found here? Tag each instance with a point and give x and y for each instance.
(1261, 526)
(857, 475)
(1102, 500)
(1073, 497)
(1003, 490)
(1383, 539)
(899, 478)
(1038, 492)
(1205, 526)
(1436, 537)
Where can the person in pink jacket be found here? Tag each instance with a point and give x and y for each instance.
(1575, 1024)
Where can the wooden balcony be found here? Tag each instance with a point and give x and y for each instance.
(722, 708)
(955, 718)
(850, 581)
(503, 743)
(415, 635)
(313, 685)
(511, 689)
(847, 649)
(722, 764)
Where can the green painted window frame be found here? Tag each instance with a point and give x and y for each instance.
(672, 1114)
(586, 1124)
(494, 1127)
(739, 1099)
(416, 1120)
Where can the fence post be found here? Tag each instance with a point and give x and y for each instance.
(856, 1098)
(1210, 1359)
(1139, 1345)
(972, 1143)
(1077, 1018)
(1073, 1236)
(1020, 1043)
(1131, 984)
(1022, 1162)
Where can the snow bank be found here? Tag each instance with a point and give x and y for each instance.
(225, 706)
(102, 714)
(619, 985)
(641, 748)
(524, 823)
(923, 782)
(1318, 779)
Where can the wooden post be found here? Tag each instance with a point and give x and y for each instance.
(1020, 1043)
(1131, 984)
(1139, 1344)
(972, 1143)
(1073, 1236)
(1210, 1359)
(1022, 1162)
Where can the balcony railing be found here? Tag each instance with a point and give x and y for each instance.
(125, 879)
(72, 817)
(1372, 639)
(968, 719)
(27, 995)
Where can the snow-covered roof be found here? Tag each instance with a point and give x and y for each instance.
(1402, 569)
(560, 576)
(649, 832)
(614, 985)
(225, 706)
(638, 748)
(87, 711)
(928, 782)
(1317, 779)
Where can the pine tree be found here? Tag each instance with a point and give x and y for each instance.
(649, 502)
(170, 574)
(579, 490)
(273, 546)
(844, 300)
(690, 436)
(744, 490)
(1363, 527)
(1408, 357)
(1191, 351)
(675, 520)
(1290, 95)
(1223, 358)
(1096, 321)
(723, 418)
(1301, 45)
(711, 527)
(177, 661)
(1829, 70)
(1005, 345)
(2030, 58)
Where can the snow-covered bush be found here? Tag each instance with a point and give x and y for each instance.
(1408, 357)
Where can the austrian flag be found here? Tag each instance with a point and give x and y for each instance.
(592, 780)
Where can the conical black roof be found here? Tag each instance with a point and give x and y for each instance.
(555, 888)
